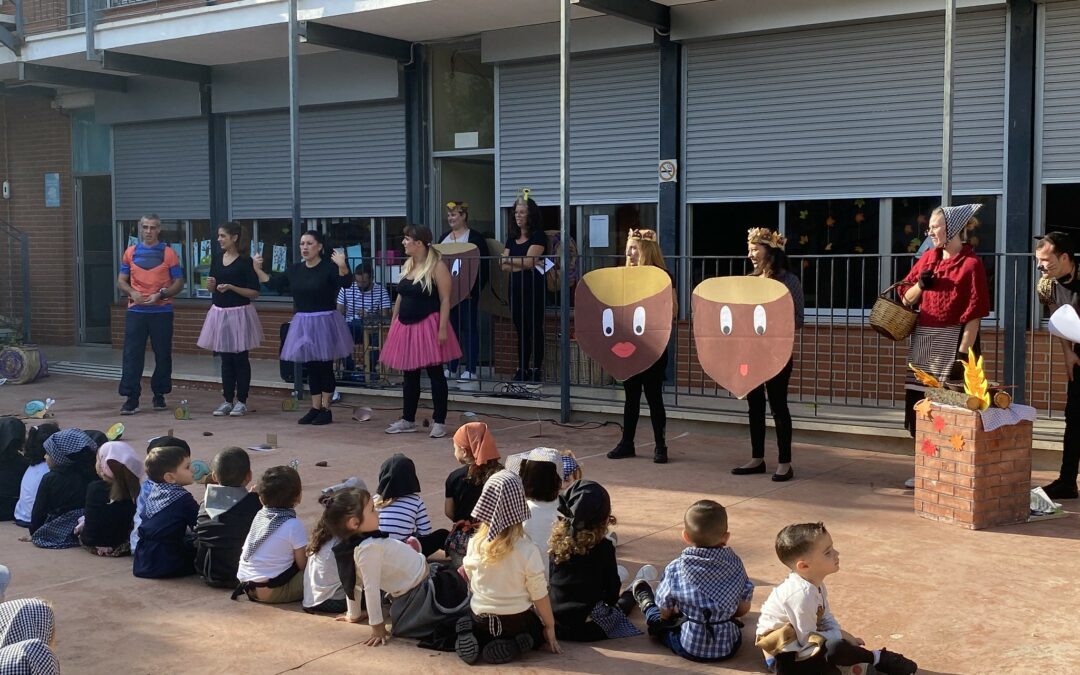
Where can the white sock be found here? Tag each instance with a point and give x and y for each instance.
(877, 656)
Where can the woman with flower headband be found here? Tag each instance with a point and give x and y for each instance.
(464, 316)
(643, 248)
(524, 259)
(766, 253)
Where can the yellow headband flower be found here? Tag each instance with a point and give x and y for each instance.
(452, 206)
(766, 237)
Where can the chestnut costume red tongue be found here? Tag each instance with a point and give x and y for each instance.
(744, 330)
(622, 317)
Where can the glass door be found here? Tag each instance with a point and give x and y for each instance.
(97, 279)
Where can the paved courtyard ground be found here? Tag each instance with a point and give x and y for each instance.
(997, 601)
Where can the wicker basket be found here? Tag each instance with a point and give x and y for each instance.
(890, 318)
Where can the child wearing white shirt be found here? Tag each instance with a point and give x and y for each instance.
(796, 628)
(274, 552)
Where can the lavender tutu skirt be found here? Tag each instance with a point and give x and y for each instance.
(317, 336)
(416, 345)
(231, 330)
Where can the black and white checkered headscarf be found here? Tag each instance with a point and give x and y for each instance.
(956, 217)
(266, 522)
(26, 627)
(502, 503)
(29, 657)
(63, 445)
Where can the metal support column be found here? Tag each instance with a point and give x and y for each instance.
(416, 173)
(668, 193)
(1019, 190)
(294, 156)
(947, 115)
(564, 210)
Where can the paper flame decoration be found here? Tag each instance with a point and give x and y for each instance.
(975, 383)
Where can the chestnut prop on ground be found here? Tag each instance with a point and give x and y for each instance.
(622, 317)
(463, 261)
(744, 330)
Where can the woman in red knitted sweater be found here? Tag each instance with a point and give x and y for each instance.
(949, 287)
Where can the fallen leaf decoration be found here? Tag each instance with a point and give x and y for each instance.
(828, 247)
(830, 221)
(924, 407)
(858, 249)
(928, 447)
(860, 217)
(803, 215)
(939, 424)
(924, 378)
(860, 203)
(803, 240)
(957, 441)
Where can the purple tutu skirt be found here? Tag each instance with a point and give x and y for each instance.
(416, 345)
(231, 330)
(317, 336)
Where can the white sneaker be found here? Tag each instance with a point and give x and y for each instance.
(647, 573)
(910, 483)
(624, 573)
(238, 410)
(446, 373)
(437, 430)
(401, 427)
(223, 409)
(466, 376)
(336, 397)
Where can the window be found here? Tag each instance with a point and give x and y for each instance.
(603, 238)
(718, 243)
(462, 99)
(178, 234)
(833, 245)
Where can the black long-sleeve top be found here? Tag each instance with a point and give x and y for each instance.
(61, 490)
(107, 523)
(582, 581)
(314, 289)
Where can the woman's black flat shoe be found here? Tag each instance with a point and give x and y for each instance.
(782, 477)
(743, 471)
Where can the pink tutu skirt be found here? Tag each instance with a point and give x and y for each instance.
(416, 345)
(317, 336)
(231, 330)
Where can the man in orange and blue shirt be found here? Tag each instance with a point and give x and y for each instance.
(150, 275)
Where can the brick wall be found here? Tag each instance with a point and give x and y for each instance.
(37, 140)
(188, 321)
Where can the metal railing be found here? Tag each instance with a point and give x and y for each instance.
(14, 284)
(43, 16)
(839, 360)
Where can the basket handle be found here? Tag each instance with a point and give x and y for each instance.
(886, 291)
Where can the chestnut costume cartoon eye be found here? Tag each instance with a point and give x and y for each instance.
(759, 320)
(463, 262)
(639, 321)
(608, 320)
(725, 320)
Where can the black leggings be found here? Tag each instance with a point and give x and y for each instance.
(776, 388)
(410, 392)
(235, 376)
(321, 377)
(434, 541)
(652, 382)
(527, 312)
(488, 627)
(836, 653)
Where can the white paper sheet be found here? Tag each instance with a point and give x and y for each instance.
(598, 231)
(546, 265)
(279, 258)
(1065, 323)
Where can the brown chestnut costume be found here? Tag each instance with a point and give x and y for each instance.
(463, 261)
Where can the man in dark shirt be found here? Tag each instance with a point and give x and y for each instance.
(1054, 254)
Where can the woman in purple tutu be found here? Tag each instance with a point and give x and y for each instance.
(420, 334)
(232, 326)
(318, 333)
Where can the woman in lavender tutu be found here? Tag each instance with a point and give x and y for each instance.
(318, 333)
(232, 326)
(420, 334)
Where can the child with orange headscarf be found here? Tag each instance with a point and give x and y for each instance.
(475, 449)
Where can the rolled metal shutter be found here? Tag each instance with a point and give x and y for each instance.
(850, 110)
(614, 128)
(352, 163)
(162, 168)
(1061, 93)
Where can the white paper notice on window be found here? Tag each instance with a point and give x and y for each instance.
(545, 265)
(598, 232)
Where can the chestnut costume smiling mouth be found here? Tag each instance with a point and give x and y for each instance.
(623, 350)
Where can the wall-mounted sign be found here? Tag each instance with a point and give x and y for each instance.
(668, 170)
(52, 190)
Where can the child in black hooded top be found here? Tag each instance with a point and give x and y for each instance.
(61, 497)
(12, 464)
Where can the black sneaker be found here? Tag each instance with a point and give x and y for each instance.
(891, 663)
(159, 402)
(621, 451)
(643, 594)
(660, 455)
(536, 375)
(1060, 489)
(131, 406)
(324, 417)
(310, 417)
(505, 651)
(626, 602)
(466, 646)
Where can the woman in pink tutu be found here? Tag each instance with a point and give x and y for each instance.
(318, 333)
(232, 326)
(420, 335)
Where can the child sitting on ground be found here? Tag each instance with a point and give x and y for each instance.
(510, 607)
(34, 453)
(370, 563)
(273, 556)
(167, 515)
(27, 632)
(110, 502)
(796, 626)
(584, 577)
(98, 437)
(61, 496)
(541, 472)
(12, 464)
(225, 518)
(706, 587)
(323, 592)
(140, 504)
(402, 513)
(474, 448)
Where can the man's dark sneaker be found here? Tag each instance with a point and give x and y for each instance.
(466, 646)
(130, 407)
(159, 402)
(324, 417)
(621, 451)
(643, 594)
(505, 651)
(310, 416)
(1060, 489)
(891, 663)
(660, 455)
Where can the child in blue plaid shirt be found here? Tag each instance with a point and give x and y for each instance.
(695, 607)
